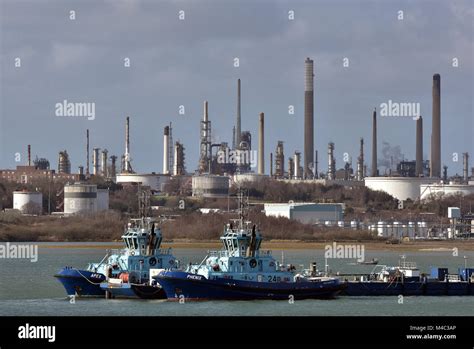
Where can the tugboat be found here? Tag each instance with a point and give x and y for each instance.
(124, 272)
(242, 271)
(142, 253)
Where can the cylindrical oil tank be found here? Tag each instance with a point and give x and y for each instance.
(422, 229)
(241, 178)
(355, 225)
(29, 202)
(155, 181)
(340, 224)
(397, 229)
(411, 230)
(80, 198)
(210, 186)
(381, 228)
(102, 199)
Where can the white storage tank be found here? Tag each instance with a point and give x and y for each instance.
(328, 223)
(102, 199)
(250, 177)
(422, 229)
(355, 225)
(80, 198)
(411, 230)
(381, 229)
(435, 190)
(155, 181)
(29, 202)
(401, 188)
(210, 186)
(397, 229)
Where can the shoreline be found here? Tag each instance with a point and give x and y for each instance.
(419, 246)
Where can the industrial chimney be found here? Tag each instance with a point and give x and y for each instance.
(166, 150)
(374, 144)
(360, 161)
(87, 154)
(238, 127)
(29, 155)
(297, 165)
(113, 160)
(419, 146)
(331, 162)
(308, 118)
(465, 167)
(261, 145)
(95, 161)
(127, 145)
(435, 163)
(316, 164)
(271, 165)
(205, 143)
(104, 162)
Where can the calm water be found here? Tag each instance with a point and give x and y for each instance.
(30, 289)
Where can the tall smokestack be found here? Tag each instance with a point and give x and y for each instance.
(419, 146)
(127, 145)
(374, 144)
(238, 127)
(87, 153)
(308, 118)
(316, 164)
(95, 161)
(205, 142)
(113, 160)
(29, 155)
(331, 162)
(171, 150)
(271, 164)
(166, 150)
(104, 162)
(261, 145)
(465, 167)
(435, 163)
(297, 165)
(360, 161)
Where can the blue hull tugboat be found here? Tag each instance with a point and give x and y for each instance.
(125, 272)
(241, 271)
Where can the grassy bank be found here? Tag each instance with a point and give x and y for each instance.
(191, 226)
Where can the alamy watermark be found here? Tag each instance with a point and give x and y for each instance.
(82, 109)
(19, 251)
(37, 332)
(345, 251)
(391, 108)
(238, 157)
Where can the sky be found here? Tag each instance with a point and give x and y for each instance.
(176, 62)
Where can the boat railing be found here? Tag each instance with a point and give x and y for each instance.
(218, 254)
(123, 251)
(264, 253)
(408, 265)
